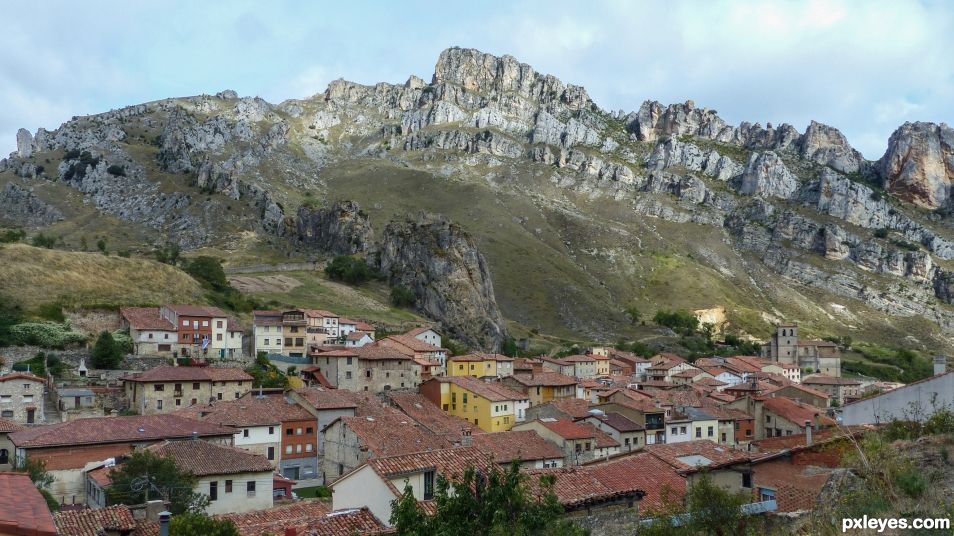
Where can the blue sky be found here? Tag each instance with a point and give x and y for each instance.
(864, 67)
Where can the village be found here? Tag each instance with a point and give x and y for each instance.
(362, 416)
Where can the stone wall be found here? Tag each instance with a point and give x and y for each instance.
(607, 520)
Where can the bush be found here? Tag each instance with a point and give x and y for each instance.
(208, 271)
(51, 311)
(193, 524)
(116, 171)
(12, 235)
(101, 245)
(402, 296)
(679, 320)
(911, 482)
(881, 233)
(351, 270)
(43, 241)
(45, 335)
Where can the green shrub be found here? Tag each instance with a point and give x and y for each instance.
(12, 235)
(116, 171)
(351, 270)
(45, 335)
(51, 311)
(106, 354)
(402, 296)
(208, 271)
(911, 482)
(881, 233)
(679, 320)
(40, 240)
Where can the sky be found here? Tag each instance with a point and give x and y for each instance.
(864, 67)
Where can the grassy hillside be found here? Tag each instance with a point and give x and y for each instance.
(34, 276)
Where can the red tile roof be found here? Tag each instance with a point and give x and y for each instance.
(717, 455)
(526, 445)
(197, 310)
(7, 426)
(548, 379)
(412, 343)
(392, 436)
(660, 481)
(142, 318)
(822, 379)
(428, 415)
(95, 522)
(203, 458)
(492, 391)
(116, 430)
(803, 388)
(24, 510)
(796, 412)
(376, 352)
(796, 486)
(800, 441)
(477, 356)
(324, 398)
(602, 440)
(358, 521)
(188, 374)
(417, 331)
(22, 376)
(449, 462)
(618, 422)
(274, 520)
(574, 408)
(568, 429)
(250, 410)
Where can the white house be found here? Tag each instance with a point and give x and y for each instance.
(427, 335)
(356, 339)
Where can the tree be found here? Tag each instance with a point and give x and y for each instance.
(106, 354)
(709, 509)
(43, 241)
(265, 374)
(84, 244)
(484, 504)
(146, 475)
(101, 246)
(633, 313)
(42, 479)
(678, 320)
(192, 524)
(351, 270)
(208, 271)
(402, 296)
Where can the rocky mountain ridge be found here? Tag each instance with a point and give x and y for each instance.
(802, 207)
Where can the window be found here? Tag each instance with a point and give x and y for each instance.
(299, 341)
(266, 342)
(674, 430)
(288, 341)
(682, 429)
(367, 373)
(250, 488)
(28, 398)
(218, 336)
(579, 448)
(349, 360)
(271, 453)
(289, 431)
(228, 486)
(219, 396)
(297, 431)
(5, 399)
(709, 432)
(245, 432)
(308, 447)
(506, 420)
(218, 324)
(723, 437)
(178, 401)
(195, 385)
(428, 485)
(236, 395)
(185, 323)
(768, 418)
(158, 404)
(150, 335)
(298, 449)
(288, 449)
(309, 430)
(213, 490)
(7, 413)
(347, 374)
(159, 387)
(205, 323)
(340, 469)
(698, 431)
(271, 430)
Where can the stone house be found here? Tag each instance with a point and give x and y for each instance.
(629, 434)
(841, 390)
(22, 397)
(166, 389)
(527, 447)
(77, 403)
(580, 442)
(786, 347)
(7, 427)
(371, 368)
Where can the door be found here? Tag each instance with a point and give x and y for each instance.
(76, 402)
(213, 490)
(4, 456)
(292, 472)
(30, 416)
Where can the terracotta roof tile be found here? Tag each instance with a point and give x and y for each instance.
(449, 462)
(822, 379)
(796, 412)
(197, 310)
(413, 343)
(274, 520)
(428, 415)
(141, 318)
(116, 430)
(24, 509)
(526, 445)
(660, 481)
(7, 426)
(392, 435)
(21, 376)
(250, 410)
(796, 489)
(376, 352)
(683, 455)
(188, 374)
(550, 379)
(568, 429)
(202, 458)
(618, 422)
(324, 398)
(95, 522)
(492, 391)
(477, 356)
(574, 408)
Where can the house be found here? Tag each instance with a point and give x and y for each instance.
(630, 435)
(22, 397)
(665, 366)
(76, 403)
(426, 335)
(433, 419)
(727, 467)
(24, 511)
(114, 520)
(698, 422)
(68, 448)
(321, 328)
(588, 365)
(527, 447)
(347, 326)
(491, 406)
(372, 368)
(7, 427)
(841, 390)
(722, 374)
(566, 408)
(558, 366)
(351, 441)
(199, 331)
(429, 369)
(480, 365)
(357, 339)
(659, 481)
(415, 347)
(690, 376)
(580, 442)
(779, 416)
(326, 405)
(376, 483)
(307, 517)
(542, 387)
(816, 356)
(620, 368)
(644, 412)
(267, 332)
(802, 393)
(165, 389)
(916, 401)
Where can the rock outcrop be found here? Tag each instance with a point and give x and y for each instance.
(21, 207)
(342, 229)
(441, 264)
(766, 175)
(919, 164)
(24, 143)
(826, 145)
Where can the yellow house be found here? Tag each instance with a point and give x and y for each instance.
(479, 365)
(543, 387)
(490, 406)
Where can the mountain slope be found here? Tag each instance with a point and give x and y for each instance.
(579, 212)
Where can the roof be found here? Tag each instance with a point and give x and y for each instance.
(202, 458)
(602, 440)
(376, 352)
(250, 410)
(526, 445)
(309, 517)
(568, 429)
(574, 408)
(540, 379)
(356, 336)
(115, 430)
(197, 310)
(7, 426)
(141, 318)
(188, 374)
(803, 388)
(94, 522)
(417, 331)
(822, 379)
(689, 456)
(689, 373)
(796, 442)
(22, 376)
(74, 391)
(449, 462)
(392, 435)
(101, 476)
(428, 415)
(656, 478)
(324, 398)
(797, 487)
(710, 382)
(477, 356)
(797, 413)
(918, 382)
(24, 508)
(492, 391)
(618, 422)
(413, 343)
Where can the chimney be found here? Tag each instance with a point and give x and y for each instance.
(808, 433)
(195, 436)
(291, 531)
(940, 364)
(164, 522)
(466, 440)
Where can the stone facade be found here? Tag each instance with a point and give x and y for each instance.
(816, 356)
(22, 398)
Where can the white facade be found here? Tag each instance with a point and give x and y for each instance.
(678, 432)
(153, 341)
(430, 337)
(268, 339)
(365, 339)
(241, 492)
(363, 487)
(265, 440)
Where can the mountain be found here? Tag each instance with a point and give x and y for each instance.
(555, 214)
